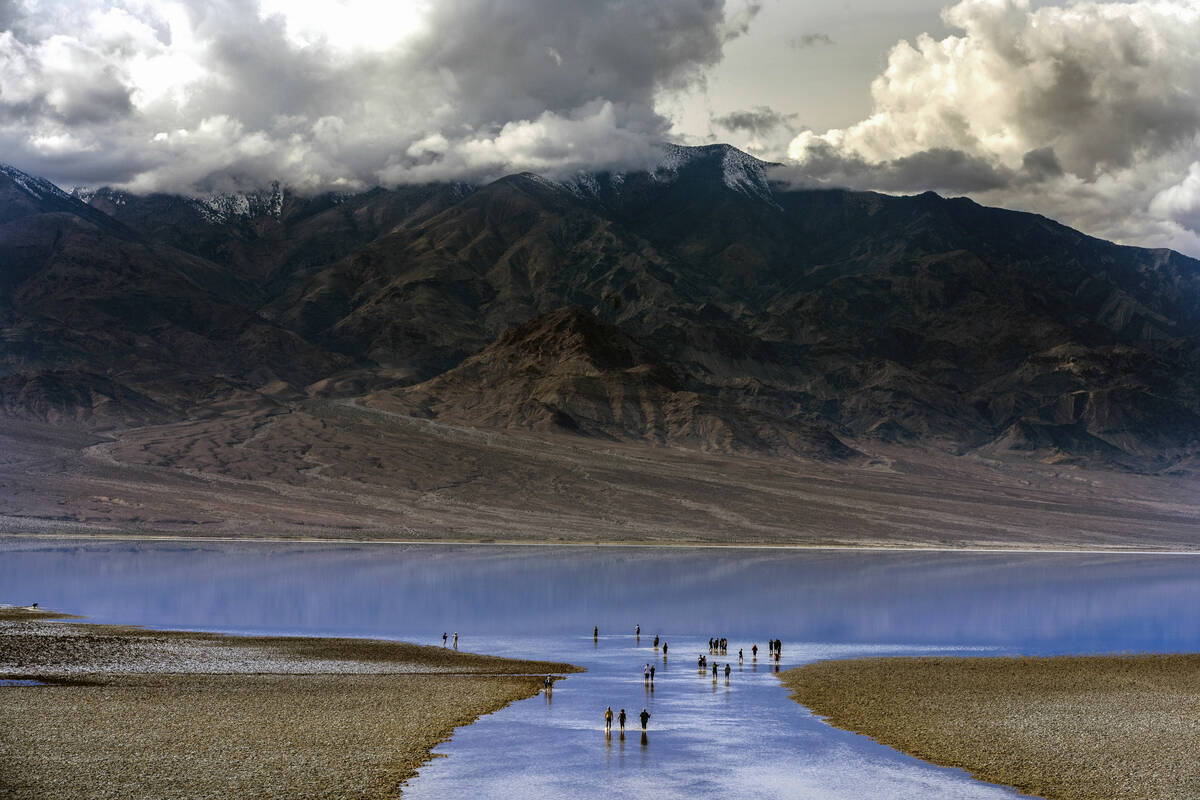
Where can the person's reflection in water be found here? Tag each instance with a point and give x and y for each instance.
(645, 739)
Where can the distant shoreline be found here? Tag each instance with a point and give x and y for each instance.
(614, 544)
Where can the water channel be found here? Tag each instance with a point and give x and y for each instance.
(742, 737)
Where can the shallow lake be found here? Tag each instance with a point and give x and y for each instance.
(742, 737)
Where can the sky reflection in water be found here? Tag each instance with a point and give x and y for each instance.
(1031, 603)
(738, 740)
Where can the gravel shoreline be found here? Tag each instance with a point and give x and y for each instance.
(1066, 728)
(134, 713)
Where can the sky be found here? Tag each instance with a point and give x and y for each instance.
(1087, 112)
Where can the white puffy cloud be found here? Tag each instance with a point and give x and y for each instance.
(202, 95)
(1181, 202)
(1089, 113)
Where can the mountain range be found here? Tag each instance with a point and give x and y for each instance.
(698, 305)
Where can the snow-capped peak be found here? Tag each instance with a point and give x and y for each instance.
(740, 172)
(37, 188)
(218, 207)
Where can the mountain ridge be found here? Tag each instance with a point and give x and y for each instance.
(929, 321)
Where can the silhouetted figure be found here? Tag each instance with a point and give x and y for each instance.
(655, 642)
(608, 715)
(754, 652)
(714, 670)
(621, 719)
(727, 671)
(664, 649)
(637, 631)
(548, 683)
(456, 640)
(596, 632)
(443, 638)
(740, 655)
(651, 673)
(645, 717)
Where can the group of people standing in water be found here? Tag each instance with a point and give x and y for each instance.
(608, 719)
(716, 646)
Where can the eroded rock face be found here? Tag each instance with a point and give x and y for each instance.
(722, 311)
(569, 371)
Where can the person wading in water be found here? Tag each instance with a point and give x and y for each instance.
(645, 717)
(621, 719)
(608, 718)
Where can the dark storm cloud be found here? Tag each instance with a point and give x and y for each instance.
(219, 92)
(8, 14)
(939, 169)
(1041, 163)
(760, 120)
(517, 60)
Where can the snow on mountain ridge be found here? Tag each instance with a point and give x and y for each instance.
(225, 207)
(37, 188)
(740, 172)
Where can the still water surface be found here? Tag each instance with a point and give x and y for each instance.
(739, 738)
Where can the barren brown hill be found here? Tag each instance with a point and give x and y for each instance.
(569, 371)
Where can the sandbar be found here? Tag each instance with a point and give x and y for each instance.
(135, 713)
(1121, 726)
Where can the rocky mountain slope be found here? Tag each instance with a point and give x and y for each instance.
(570, 372)
(752, 317)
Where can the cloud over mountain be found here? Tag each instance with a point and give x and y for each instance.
(215, 94)
(1089, 113)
